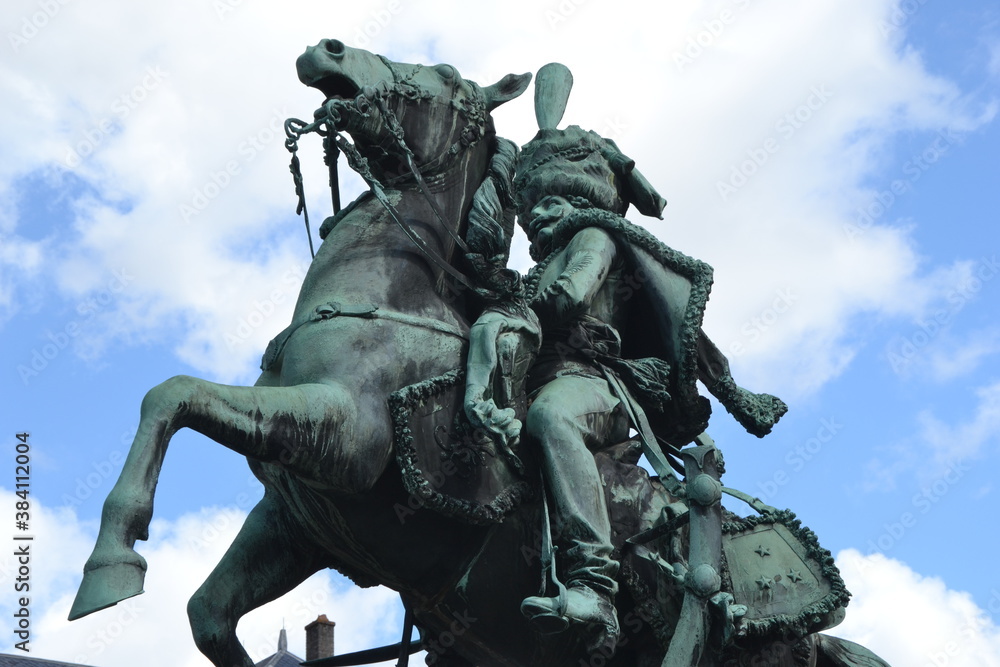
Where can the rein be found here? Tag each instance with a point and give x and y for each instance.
(327, 120)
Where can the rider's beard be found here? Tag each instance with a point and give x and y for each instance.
(541, 241)
(541, 244)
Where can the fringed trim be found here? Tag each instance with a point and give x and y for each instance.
(813, 618)
(757, 413)
(401, 404)
(691, 408)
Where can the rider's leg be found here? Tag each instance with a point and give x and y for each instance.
(569, 419)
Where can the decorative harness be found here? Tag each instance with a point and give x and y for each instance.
(332, 115)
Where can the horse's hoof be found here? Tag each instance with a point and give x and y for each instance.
(105, 585)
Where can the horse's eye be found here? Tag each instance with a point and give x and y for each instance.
(446, 71)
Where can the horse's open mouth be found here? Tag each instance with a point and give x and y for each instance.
(337, 87)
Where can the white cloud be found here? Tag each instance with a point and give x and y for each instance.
(152, 629)
(181, 110)
(993, 60)
(936, 449)
(956, 358)
(792, 225)
(965, 440)
(926, 346)
(909, 619)
(18, 258)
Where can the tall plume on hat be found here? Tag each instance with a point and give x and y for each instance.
(577, 164)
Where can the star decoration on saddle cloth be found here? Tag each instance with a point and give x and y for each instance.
(762, 551)
(795, 576)
(765, 583)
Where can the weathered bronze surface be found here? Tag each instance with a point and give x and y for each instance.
(433, 422)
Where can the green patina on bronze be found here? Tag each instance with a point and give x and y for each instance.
(808, 554)
(432, 422)
(444, 462)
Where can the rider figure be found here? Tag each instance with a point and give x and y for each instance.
(598, 275)
(575, 411)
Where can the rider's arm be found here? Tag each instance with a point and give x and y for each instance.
(481, 367)
(482, 361)
(589, 257)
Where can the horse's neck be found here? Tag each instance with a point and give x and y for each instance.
(369, 258)
(453, 188)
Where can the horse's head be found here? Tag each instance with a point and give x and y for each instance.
(371, 97)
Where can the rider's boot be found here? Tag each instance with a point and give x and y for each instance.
(579, 605)
(588, 599)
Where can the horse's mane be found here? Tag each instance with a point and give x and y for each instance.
(491, 218)
(490, 225)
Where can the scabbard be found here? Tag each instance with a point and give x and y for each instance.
(703, 580)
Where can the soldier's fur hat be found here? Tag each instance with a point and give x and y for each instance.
(583, 167)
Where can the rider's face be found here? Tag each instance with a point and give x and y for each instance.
(544, 217)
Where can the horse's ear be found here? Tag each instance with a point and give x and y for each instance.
(506, 89)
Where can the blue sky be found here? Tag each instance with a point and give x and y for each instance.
(835, 161)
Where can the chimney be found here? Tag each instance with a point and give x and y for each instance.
(319, 638)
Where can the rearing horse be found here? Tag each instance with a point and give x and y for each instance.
(374, 316)
(371, 318)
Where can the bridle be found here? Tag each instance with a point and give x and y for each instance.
(332, 116)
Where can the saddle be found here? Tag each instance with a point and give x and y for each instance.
(783, 584)
(446, 463)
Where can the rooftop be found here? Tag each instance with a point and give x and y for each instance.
(25, 661)
(280, 659)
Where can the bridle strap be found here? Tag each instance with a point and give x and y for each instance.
(396, 128)
(325, 126)
(359, 164)
(292, 145)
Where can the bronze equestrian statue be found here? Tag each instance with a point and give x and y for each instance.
(384, 458)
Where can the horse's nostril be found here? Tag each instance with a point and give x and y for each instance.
(335, 48)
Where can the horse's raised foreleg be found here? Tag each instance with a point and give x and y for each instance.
(265, 561)
(314, 431)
